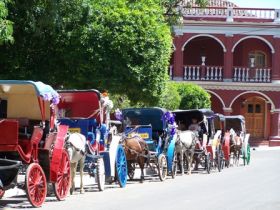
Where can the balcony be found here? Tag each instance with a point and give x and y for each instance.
(230, 14)
(216, 73)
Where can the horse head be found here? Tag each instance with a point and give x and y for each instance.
(76, 146)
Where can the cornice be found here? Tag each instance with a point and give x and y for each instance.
(238, 86)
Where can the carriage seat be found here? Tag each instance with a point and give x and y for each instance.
(23, 128)
(26, 148)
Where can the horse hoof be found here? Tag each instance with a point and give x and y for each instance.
(82, 191)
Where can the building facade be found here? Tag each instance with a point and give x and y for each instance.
(234, 53)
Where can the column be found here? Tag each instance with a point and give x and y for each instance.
(228, 59)
(227, 111)
(178, 59)
(274, 139)
(275, 72)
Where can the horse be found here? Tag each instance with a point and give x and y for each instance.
(76, 147)
(235, 146)
(184, 147)
(136, 150)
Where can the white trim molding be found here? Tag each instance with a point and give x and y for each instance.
(256, 92)
(254, 37)
(219, 97)
(207, 35)
(275, 87)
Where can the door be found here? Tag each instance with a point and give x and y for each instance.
(255, 117)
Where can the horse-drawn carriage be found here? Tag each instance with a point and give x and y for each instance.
(87, 112)
(236, 140)
(30, 141)
(206, 126)
(154, 131)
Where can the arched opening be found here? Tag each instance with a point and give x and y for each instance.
(217, 103)
(203, 46)
(256, 110)
(252, 52)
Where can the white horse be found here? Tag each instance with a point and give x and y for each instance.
(76, 147)
(184, 146)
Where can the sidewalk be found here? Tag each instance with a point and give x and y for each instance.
(264, 148)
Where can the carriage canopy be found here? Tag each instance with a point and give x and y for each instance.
(26, 99)
(145, 116)
(236, 122)
(80, 104)
(186, 116)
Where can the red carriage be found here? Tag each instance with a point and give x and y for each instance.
(28, 134)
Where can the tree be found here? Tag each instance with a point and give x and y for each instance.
(193, 96)
(6, 27)
(170, 98)
(123, 46)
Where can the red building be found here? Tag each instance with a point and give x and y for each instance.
(234, 53)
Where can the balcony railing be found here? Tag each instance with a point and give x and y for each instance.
(243, 74)
(216, 73)
(201, 72)
(231, 13)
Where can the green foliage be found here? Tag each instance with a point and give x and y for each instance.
(193, 96)
(130, 48)
(123, 46)
(170, 98)
(6, 26)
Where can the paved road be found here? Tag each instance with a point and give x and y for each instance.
(252, 187)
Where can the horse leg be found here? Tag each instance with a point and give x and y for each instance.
(73, 174)
(81, 162)
(141, 162)
(182, 161)
(189, 162)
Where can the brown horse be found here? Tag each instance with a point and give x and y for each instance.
(137, 151)
(235, 146)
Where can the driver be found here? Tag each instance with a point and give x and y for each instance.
(195, 126)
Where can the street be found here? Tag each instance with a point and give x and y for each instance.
(256, 186)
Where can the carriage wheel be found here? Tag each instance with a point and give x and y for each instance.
(208, 163)
(100, 174)
(246, 155)
(219, 161)
(174, 166)
(121, 167)
(36, 185)
(62, 184)
(2, 192)
(222, 159)
(162, 167)
(131, 170)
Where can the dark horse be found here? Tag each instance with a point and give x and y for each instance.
(137, 151)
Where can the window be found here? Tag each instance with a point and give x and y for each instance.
(250, 108)
(3, 108)
(258, 58)
(258, 108)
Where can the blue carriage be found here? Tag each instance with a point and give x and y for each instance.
(157, 127)
(87, 112)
